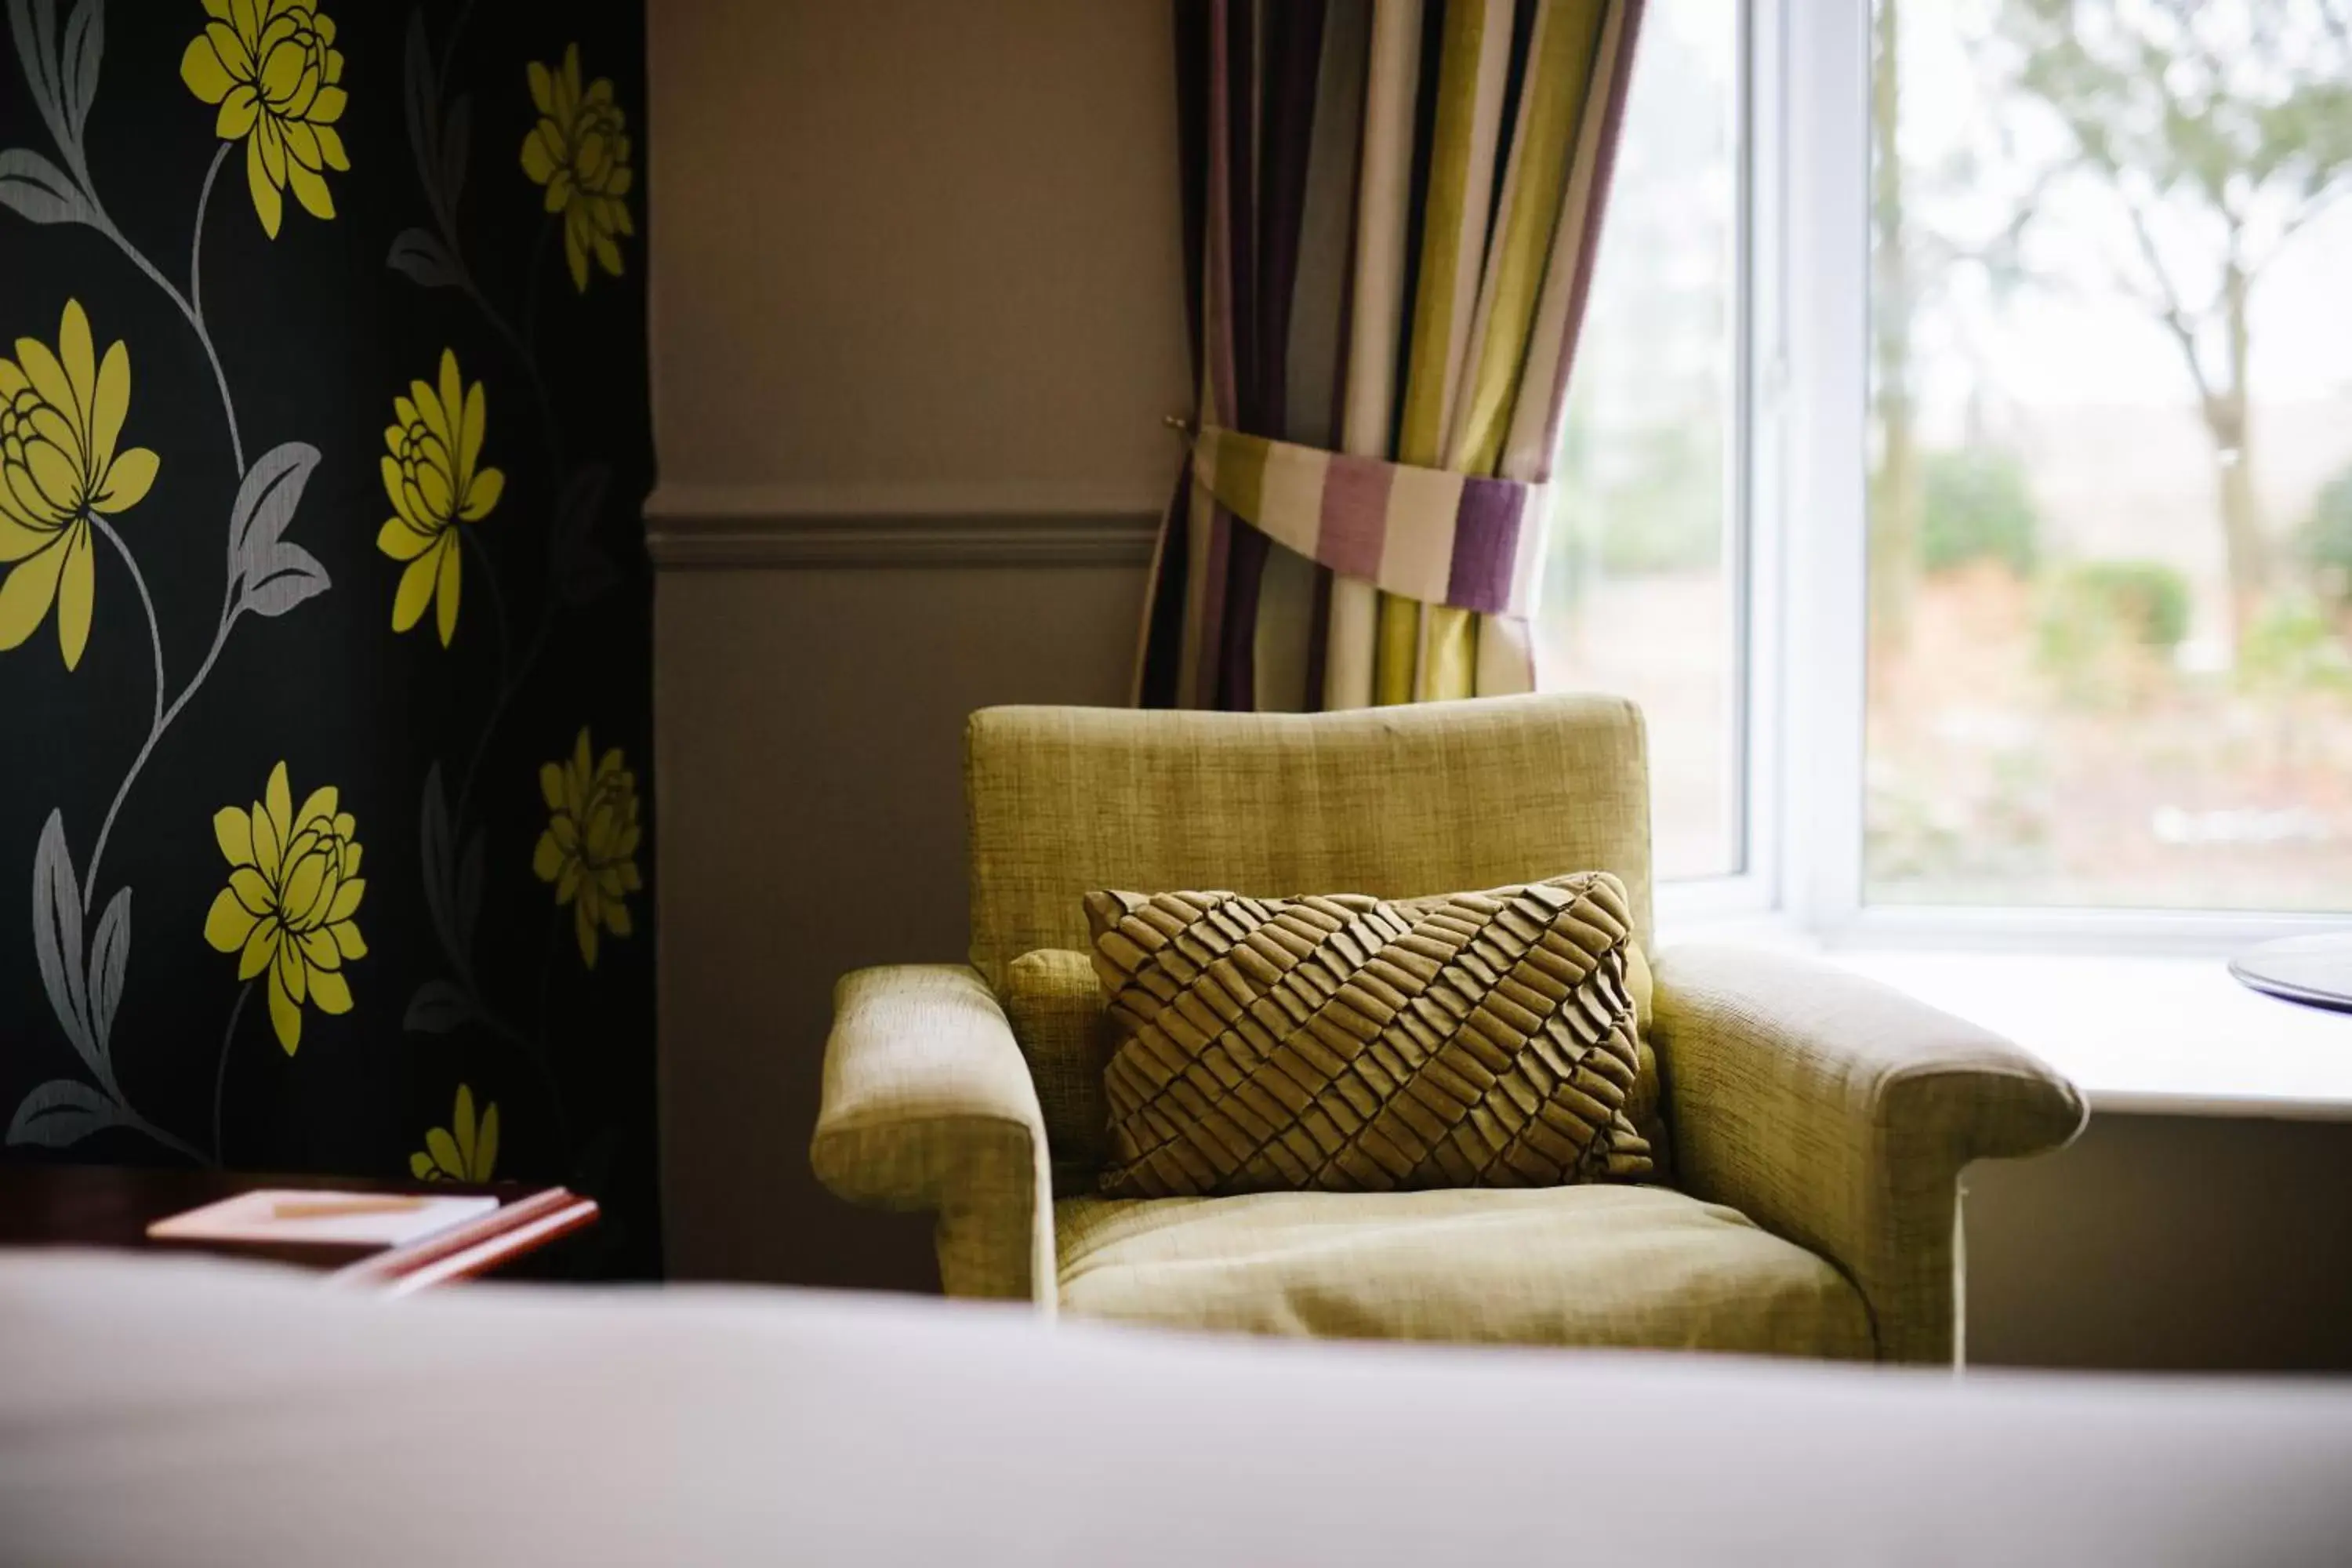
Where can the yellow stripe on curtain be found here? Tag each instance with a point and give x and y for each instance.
(1506, 660)
(1560, 71)
(1473, 75)
(1383, 230)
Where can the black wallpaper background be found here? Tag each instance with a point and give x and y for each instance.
(473, 974)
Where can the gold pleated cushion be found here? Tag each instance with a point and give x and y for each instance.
(1351, 1043)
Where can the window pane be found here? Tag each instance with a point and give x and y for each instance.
(1639, 590)
(2111, 475)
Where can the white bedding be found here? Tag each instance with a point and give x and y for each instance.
(189, 1413)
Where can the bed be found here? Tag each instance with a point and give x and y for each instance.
(196, 1413)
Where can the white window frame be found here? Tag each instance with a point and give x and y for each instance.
(1751, 549)
(1801, 550)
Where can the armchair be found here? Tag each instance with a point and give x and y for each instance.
(1817, 1124)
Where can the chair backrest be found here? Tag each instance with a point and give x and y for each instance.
(1433, 798)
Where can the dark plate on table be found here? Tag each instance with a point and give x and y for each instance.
(2316, 971)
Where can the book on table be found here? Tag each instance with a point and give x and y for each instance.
(276, 1216)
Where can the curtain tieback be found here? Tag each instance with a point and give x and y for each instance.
(1423, 534)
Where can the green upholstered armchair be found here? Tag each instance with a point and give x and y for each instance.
(1817, 1124)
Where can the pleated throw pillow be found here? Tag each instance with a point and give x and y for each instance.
(1352, 1043)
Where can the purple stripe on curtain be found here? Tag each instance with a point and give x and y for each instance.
(1162, 659)
(1318, 642)
(1159, 665)
(1231, 320)
(1355, 515)
(1604, 168)
(1193, 159)
(1205, 691)
(1293, 62)
(1485, 545)
(1229, 239)
(1264, 274)
(1425, 130)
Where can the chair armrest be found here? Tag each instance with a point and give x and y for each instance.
(929, 1105)
(1838, 1113)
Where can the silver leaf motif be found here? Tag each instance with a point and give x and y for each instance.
(423, 259)
(271, 577)
(109, 958)
(281, 578)
(57, 937)
(77, 76)
(36, 189)
(34, 24)
(584, 572)
(438, 1007)
(436, 853)
(456, 137)
(60, 1112)
(417, 97)
(468, 907)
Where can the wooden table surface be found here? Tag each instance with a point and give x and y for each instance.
(112, 1206)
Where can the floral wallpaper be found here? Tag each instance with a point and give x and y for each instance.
(324, 611)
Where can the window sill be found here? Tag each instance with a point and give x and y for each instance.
(2151, 1036)
(2140, 1035)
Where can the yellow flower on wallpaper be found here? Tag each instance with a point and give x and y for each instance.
(460, 1151)
(580, 151)
(293, 888)
(61, 414)
(432, 476)
(272, 68)
(590, 848)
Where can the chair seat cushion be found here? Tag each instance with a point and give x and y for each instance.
(1628, 1267)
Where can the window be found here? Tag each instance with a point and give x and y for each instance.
(2109, 455)
(1642, 592)
(1958, 464)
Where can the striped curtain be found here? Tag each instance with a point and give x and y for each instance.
(1391, 212)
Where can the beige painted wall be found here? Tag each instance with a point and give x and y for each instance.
(908, 255)
(922, 257)
(925, 244)
(810, 729)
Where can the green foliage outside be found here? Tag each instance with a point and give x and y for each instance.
(2146, 600)
(2324, 544)
(1975, 506)
(2292, 648)
(2108, 629)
